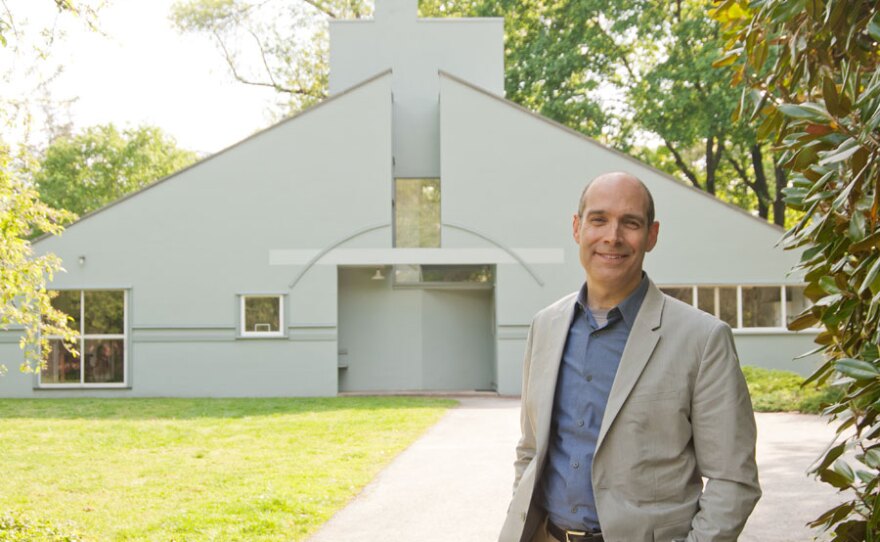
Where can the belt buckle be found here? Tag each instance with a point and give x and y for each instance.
(574, 533)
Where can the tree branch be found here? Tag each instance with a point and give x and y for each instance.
(230, 61)
(263, 58)
(322, 7)
(743, 174)
(617, 47)
(682, 166)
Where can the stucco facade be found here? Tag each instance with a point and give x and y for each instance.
(303, 214)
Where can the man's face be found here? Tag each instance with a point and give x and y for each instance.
(614, 234)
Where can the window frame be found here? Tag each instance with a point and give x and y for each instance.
(83, 337)
(739, 328)
(245, 334)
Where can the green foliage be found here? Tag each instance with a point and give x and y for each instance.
(617, 70)
(24, 300)
(811, 72)
(255, 470)
(287, 39)
(784, 391)
(83, 172)
(20, 528)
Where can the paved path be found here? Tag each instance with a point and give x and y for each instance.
(454, 484)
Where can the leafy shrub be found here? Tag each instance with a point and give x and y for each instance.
(783, 391)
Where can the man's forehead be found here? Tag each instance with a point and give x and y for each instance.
(622, 187)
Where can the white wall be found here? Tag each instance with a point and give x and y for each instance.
(415, 49)
(189, 245)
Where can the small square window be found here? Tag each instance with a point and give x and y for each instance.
(261, 315)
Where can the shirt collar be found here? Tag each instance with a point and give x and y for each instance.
(628, 308)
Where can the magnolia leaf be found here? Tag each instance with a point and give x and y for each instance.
(808, 111)
(829, 285)
(834, 478)
(844, 151)
(831, 456)
(728, 58)
(844, 469)
(829, 93)
(857, 369)
(870, 276)
(872, 458)
(874, 27)
(806, 320)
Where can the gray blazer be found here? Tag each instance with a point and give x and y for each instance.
(679, 411)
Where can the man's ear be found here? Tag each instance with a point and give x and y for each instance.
(576, 228)
(653, 232)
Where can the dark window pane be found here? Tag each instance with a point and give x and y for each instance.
(685, 294)
(706, 299)
(795, 302)
(727, 304)
(417, 213)
(61, 367)
(761, 306)
(481, 274)
(68, 302)
(104, 312)
(262, 314)
(104, 360)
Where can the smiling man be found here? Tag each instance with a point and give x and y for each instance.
(630, 400)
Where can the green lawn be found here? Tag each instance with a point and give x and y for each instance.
(201, 469)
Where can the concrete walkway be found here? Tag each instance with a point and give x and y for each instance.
(454, 484)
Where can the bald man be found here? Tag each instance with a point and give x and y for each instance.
(630, 400)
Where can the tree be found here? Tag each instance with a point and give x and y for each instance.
(811, 76)
(286, 39)
(24, 300)
(83, 172)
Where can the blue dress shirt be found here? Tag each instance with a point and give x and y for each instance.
(586, 373)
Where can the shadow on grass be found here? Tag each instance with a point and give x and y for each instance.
(182, 409)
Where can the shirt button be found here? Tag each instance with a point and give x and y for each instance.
(575, 464)
(580, 423)
(589, 378)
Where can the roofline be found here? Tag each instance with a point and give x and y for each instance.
(621, 154)
(285, 120)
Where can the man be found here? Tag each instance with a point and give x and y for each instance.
(630, 398)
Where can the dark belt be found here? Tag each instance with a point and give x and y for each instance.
(573, 536)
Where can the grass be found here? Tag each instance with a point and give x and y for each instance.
(781, 391)
(194, 470)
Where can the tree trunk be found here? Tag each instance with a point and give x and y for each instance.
(778, 203)
(713, 158)
(760, 186)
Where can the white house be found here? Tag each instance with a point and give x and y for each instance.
(398, 236)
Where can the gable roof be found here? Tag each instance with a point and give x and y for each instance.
(625, 156)
(198, 163)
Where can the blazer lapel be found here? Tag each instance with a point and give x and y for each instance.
(643, 338)
(551, 351)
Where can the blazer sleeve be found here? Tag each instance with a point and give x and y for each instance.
(724, 442)
(525, 448)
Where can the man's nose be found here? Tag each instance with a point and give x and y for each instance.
(613, 233)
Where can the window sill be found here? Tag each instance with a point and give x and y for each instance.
(83, 387)
(773, 331)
